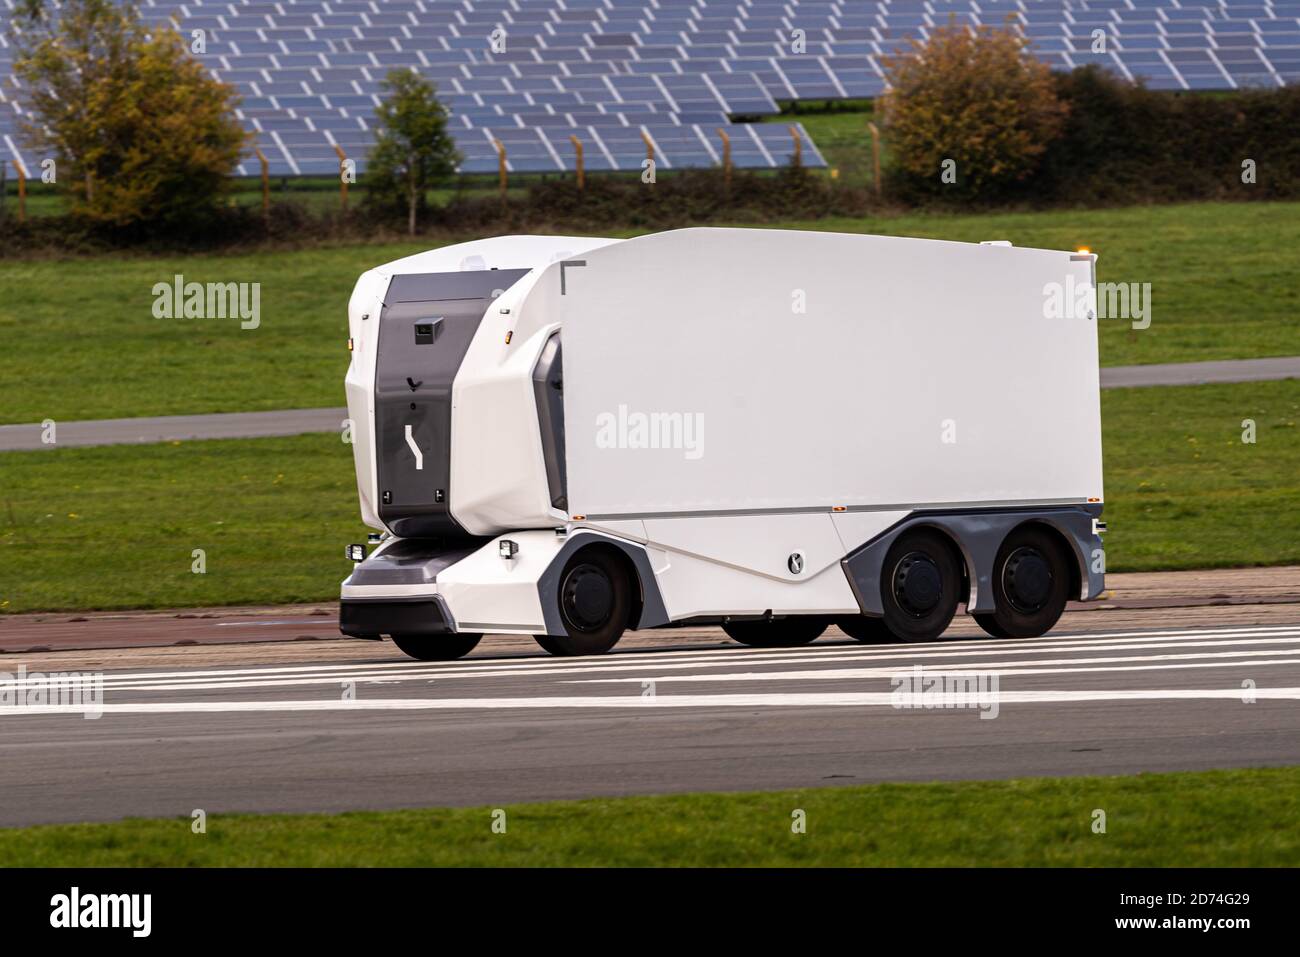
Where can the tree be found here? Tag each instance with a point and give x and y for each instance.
(139, 131)
(413, 151)
(972, 104)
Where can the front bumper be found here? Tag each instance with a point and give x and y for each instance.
(408, 586)
(376, 617)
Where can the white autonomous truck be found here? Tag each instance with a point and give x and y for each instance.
(770, 430)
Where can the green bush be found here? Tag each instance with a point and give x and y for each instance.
(968, 114)
(141, 134)
(1124, 143)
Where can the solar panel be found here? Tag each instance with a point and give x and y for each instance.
(310, 68)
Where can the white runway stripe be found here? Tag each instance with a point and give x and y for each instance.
(1003, 667)
(686, 660)
(862, 673)
(535, 663)
(637, 702)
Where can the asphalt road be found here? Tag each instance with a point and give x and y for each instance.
(380, 732)
(169, 428)
(172, 428)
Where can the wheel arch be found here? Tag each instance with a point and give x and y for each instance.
(978, 534)
(959, 552)
(648, 606)
(1076, 562)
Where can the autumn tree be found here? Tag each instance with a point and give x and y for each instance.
(968, 111)
(413, 151)
(139, 131)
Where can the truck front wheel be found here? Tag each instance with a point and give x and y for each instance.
(436, 647)
(595, 602)
(1031, 584)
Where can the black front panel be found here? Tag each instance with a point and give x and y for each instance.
(393, 616)
(425, 329)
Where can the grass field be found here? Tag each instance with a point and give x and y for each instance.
(81, 340)
(1182, 488)
(115, 527)
(844, 140)
(1201, 819)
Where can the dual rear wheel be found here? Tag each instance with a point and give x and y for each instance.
(921, 585)
(1031, 584)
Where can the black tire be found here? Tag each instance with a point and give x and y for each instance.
(1031, 584)
(436, 647)
(869, 631)
(920, 585)
(548, 645)
(989, 622)
(595, 599)
(776, 632)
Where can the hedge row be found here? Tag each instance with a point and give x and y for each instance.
(685, 198)
(1122, 143)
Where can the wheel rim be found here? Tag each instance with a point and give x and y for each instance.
(587, 597)
(918, 584)
(1027, 580)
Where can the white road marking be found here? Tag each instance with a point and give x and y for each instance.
(842, 674)
(1073, 666)
(639, 702)
(1002, 667)
(727, 657)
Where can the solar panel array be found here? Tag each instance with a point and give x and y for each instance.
(530, 74)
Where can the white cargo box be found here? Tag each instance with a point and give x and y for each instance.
(754, 424)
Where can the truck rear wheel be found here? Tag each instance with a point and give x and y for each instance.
(1031, 584)
(595, 602)
(436, 647)
(919, 585)
(776, 632)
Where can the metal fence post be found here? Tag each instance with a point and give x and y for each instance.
(577, 147)
(266, 188)
(501, 166)
(726, 158)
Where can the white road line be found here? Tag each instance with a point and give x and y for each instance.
(638, 702)
(1000, 666)
(672, 659)
(832, 674)
(389, 677)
